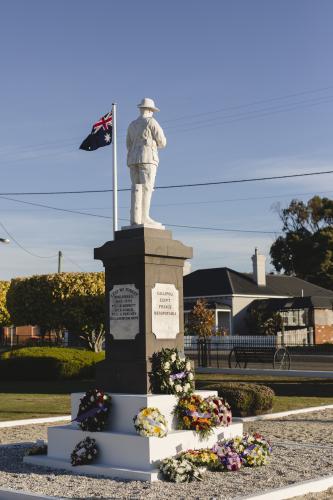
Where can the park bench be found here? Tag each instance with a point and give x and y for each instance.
(241, 356)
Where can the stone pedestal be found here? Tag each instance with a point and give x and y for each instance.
(122, 452)
(144, 305)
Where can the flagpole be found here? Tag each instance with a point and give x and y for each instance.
(114, 169)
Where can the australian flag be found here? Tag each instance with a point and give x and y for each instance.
(100, 135)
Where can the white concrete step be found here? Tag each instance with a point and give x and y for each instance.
(131, 450)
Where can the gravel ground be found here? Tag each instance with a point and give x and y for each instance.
(302, 450)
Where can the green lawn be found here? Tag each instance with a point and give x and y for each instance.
(19, 400)
(284, 403)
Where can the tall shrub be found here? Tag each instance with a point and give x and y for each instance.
(72, 301)
(4, 314)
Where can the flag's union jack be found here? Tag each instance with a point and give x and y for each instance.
(100, 135)
(105, 122)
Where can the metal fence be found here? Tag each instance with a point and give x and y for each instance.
(220, 352)
(28, 340)
(300, 337)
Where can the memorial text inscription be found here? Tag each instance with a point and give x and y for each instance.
(165, 311)
(124, 312)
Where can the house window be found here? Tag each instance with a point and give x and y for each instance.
(223, 321)
(295, 317)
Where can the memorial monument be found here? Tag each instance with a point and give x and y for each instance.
(144, 313)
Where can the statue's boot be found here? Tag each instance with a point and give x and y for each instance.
(136, 204)
(146, 198)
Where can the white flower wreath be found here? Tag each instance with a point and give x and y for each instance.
(180, 470)
(84, 452)
(171, 373)
(150, 422)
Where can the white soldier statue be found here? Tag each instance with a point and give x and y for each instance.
(144, 137)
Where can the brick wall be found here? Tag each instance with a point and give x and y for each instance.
(323, 333)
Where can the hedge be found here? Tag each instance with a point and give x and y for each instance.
(245, 399)
(48, 363)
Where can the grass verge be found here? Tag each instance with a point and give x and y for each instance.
(19, 400)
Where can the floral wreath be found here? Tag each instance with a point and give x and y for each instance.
(194, 413)
(252, 449)
(171, 373)
(84, 452)
(249, 449)
(220, 410)
(179, 470)
(203, 458)
(93, 410)
(229, 459)
(150, 422)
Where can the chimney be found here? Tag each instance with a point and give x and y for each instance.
(259, 271)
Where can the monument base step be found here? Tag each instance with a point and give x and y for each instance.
(98, 470)
(131, 451)
(125, 406)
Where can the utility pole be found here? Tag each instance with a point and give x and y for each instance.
(59, 261)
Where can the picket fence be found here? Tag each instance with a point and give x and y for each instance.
(298, 337)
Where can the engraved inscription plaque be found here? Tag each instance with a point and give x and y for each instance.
(124, 312)
(165, 311)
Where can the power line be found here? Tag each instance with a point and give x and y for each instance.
(23, 248)
(182, 203)
(56, 208)
(238, 181)
(223, 229)
(253, 103)
(126, 220)
(256, 113)
(74, 140)
(74, 262)
(172, 186)
(36, 255)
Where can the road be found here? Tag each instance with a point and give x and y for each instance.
(319, 362)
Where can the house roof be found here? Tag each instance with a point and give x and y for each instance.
(189, 304)
(317, 302)
(224, 281)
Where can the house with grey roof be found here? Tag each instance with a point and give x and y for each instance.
(231, 293)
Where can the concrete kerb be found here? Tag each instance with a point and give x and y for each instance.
(273, 373)
(295, 490)
(31, 421)
(272, 416)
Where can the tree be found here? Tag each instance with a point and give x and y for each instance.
(261, 321)
(201, 320)
(306, 247)
(4, 314)
(55, 302)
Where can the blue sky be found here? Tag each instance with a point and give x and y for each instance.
(245, 89)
